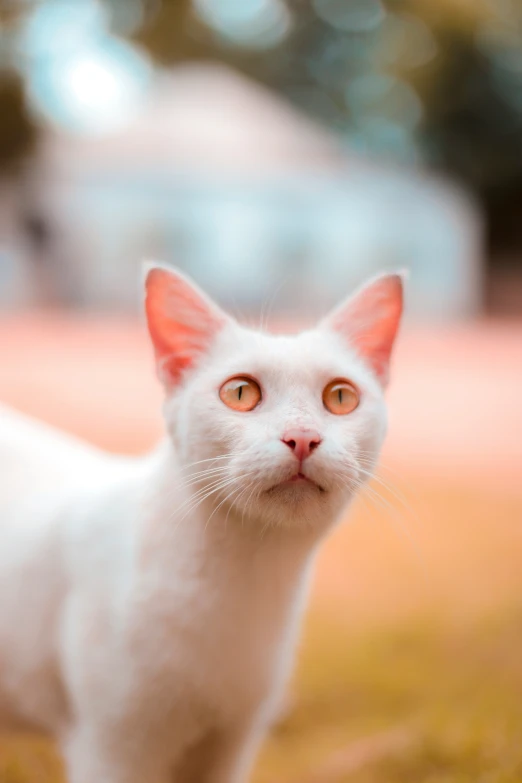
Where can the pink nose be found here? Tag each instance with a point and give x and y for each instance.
(302, 442)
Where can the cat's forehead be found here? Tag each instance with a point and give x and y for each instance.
(297, 356)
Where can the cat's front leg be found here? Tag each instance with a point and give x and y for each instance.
(92, 759)
(223, 756)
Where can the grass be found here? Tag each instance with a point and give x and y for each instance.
(420, 703)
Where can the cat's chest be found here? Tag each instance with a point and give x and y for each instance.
(219, 631)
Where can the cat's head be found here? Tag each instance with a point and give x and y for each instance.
(281, 428)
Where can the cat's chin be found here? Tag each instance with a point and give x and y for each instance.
(297, 505)
(300, 479)
(298, 486)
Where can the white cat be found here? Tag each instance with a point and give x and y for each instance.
(149, 608)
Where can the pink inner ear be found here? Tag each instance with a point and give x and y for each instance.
(370, 321)
(182, 322)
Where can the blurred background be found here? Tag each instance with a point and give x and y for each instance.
(280, 151)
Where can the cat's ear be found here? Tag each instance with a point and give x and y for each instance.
(369, 321)
(182, 321)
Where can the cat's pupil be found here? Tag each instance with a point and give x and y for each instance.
(340, 393)
(239, 392)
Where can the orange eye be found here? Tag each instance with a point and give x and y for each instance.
(240, 394)
(340, 397)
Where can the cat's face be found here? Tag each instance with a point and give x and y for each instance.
(280, 428)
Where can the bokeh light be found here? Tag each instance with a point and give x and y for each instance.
(406, 40)
(79, 76)
(257, 24)
(95, 90)
(353, 16)
(381, 95)
(56, 26)
(127, 17)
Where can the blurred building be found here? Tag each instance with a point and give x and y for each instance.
(258, 203)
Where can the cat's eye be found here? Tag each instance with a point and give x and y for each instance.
(240, 394)
(340, 397)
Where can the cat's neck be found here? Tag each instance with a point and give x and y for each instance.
(210, 531)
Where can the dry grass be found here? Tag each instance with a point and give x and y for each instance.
(423, 703)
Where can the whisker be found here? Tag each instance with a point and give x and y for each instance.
(227, 497)
(394, 492)
(196, 503)
(379, 464)
(266, 309)
(211, 459)
(370, 493)
(246, 505)
(195, 498)
(196, 478)
(200, 496)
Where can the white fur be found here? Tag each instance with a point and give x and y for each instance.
(151, 636)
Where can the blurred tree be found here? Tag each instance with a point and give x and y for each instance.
(437, 81)
(17, 130)
(469, 123)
